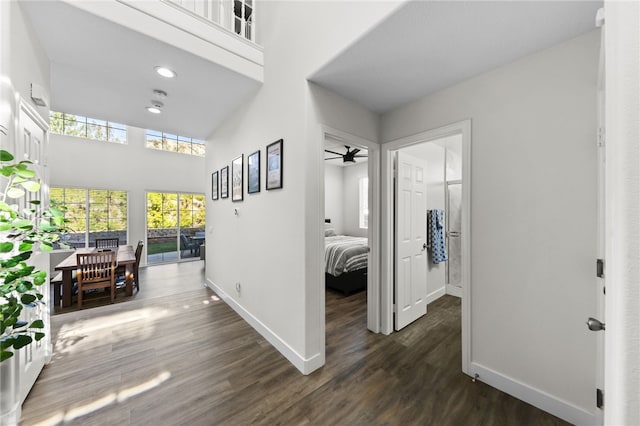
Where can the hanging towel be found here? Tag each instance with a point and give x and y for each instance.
(437, 231)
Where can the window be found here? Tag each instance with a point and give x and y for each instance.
(85, 127)
(175, 226)
(92, 213)
(175, 143)
(363, 209)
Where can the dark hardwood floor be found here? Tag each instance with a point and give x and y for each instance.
(177, 355)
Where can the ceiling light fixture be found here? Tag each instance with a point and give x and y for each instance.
(155, 107)
(159, 94)
(166, 72)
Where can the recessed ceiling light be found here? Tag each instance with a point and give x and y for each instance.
(166, 72)
(154, 110)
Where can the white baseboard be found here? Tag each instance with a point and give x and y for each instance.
(435, 295)
(454, 290)
(536, 397)
(306, 366)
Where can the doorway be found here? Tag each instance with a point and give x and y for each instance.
(175, 226)
(388, 255)
(363, 214)
(428, 191)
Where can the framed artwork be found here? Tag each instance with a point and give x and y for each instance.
(224, 182)
(274, 165)
(253, 173)
(236, 178)
(214, 185)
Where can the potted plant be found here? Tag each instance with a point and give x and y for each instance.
(25, 227)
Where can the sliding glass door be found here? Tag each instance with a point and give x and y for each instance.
(175, 226)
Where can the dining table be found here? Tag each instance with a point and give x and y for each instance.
(126, 257)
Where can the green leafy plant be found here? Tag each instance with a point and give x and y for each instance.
(23, 230)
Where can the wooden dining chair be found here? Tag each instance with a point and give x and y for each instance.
(96, 270)
(136, 267)
(107, 242)
(121, 270)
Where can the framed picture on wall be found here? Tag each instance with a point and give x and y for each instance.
(224, 182)
(214, 185)
(236, 178)
(253, 173)
(274, 165)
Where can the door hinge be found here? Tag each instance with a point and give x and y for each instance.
(601, 138)
(600, 268)
(599, 398)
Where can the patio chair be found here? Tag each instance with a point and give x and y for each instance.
(185, 245)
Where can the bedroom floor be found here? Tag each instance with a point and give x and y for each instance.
(188, 359)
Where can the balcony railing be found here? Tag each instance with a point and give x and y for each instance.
(237, 16)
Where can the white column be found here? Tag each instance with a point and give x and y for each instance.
(622, 216)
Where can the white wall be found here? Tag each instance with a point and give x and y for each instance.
(274, 246)
(22, 60)
(533, 205)
(333, 196)
(83, 163)
(341, 195)
(351, 198)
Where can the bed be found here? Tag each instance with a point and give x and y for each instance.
(346, 260)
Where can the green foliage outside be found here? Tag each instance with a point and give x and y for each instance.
(175, 143)
(107, 210)
(162, 210)
(24, 228)
(164, 247)
(85, 127)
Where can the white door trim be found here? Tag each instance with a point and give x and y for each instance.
(622, 213)
(373, 233)
(386, 228)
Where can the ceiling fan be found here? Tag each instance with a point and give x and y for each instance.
(348, 157)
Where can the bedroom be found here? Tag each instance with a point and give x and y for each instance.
(346, 215)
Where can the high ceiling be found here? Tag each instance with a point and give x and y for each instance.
(426, 46)
(106, 71)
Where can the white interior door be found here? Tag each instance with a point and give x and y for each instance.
(31, 146)
(25, 135)
(410, 240)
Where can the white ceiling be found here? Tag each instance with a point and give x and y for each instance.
(426, 46)
(102, 70)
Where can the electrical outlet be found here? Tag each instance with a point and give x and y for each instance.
(238, 287)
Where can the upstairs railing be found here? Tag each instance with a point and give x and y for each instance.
(237, 16)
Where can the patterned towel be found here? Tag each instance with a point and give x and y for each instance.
(437, 231)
